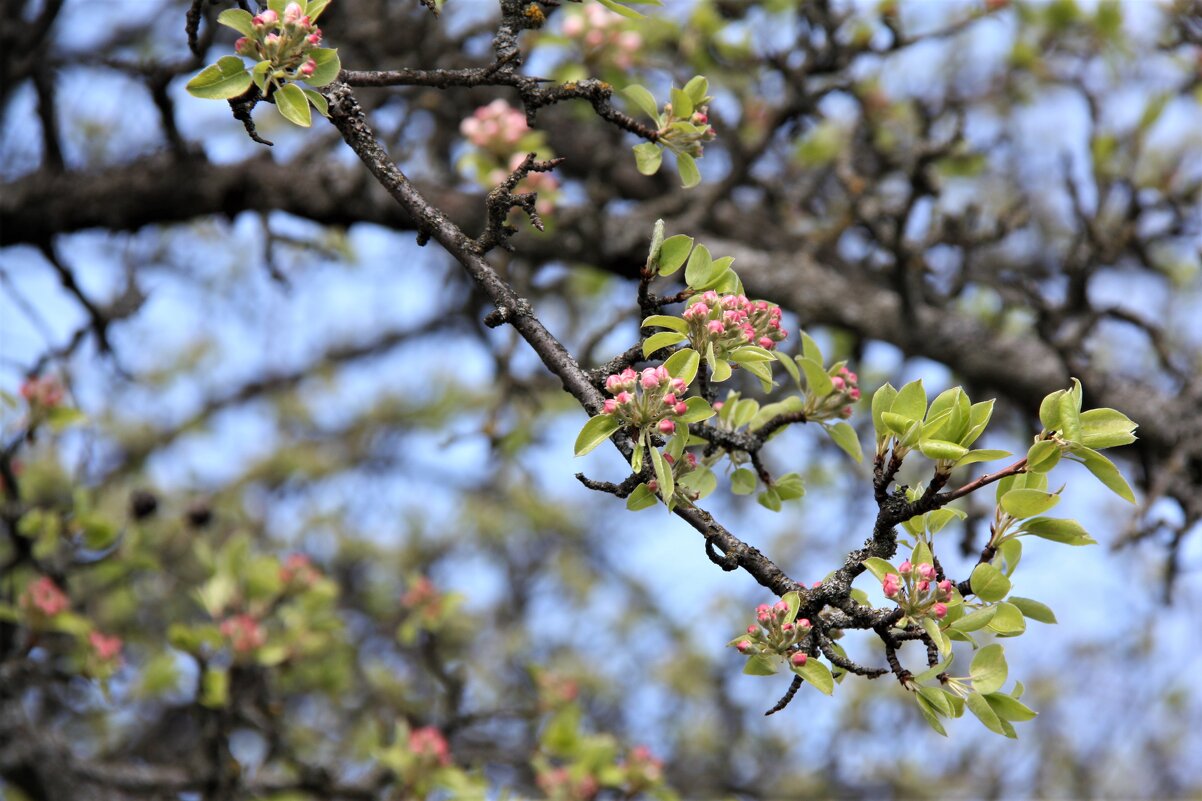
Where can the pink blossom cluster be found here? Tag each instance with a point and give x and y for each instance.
(430, 747)
(679, 469)
(602, 38)
(298, 572)
(44, 391)
(44, 597)
(687, 134)
(243, 633)
(284, 41)
(837, 403)
(732, 321)
(775, 633)
(916, 590)
(106, 648)
(643, 768)
(423, 598)
(497, 128)
(563, 783)
(650, 398)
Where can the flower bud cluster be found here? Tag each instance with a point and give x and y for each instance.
(43, 391)
(44, 598)
(643, 769)
(243, 633)
(732, 321)
(836, 403)
(679, 470)
(602, 38)
(916, 591)
(651, 398)
(430, 747)
(562, 783)
(106, 648)
(775, 634)
(298, 572)
(687, 134)
(285, 41)
(497, 128)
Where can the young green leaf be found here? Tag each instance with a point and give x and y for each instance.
(293, 105)
(972, 457)
(817, 379)
(663, 475)
(978, 619)
(641, 498)
(742, 481)
(683, 364)
(988, 669)
(1034, 610)
(760, 665)
(845, 437)
(698, 409)
(929, 714)
(1069, 532)
(817, 674)
(673, 252)
(686, 167)
(328, 66)
(911, 401)
(879, 567)
(647, 158)
(682, 104)
(769, 499)
(882, 401)
(1043, 456)
(988, 583)
(1008, 622)
(1023, 503)
(666, 321)
(1009, 708)
(221, 81)
(977, 704)
(239, 20)
(1106, 428)
(644, 100)
(663, 339)
(595, 431)
(697, 271)
(790, 487)
(696, 89)
(1104, 470)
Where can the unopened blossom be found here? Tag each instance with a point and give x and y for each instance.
(298, 570)
(939, 610)
(602, 38)
(44, 391)
(429, 744)
(798, 659)
(45, 597)
(891, 584)
(243, 633)
(107, 648)
(497, 127)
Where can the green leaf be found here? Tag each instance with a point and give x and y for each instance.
(682, 104)
(787, 362)
(1008, 622)
(315, 7)
(742, 481)
(882, 401)
(328, 66)
(810, 349)
(845, 437)
(1009, 708)
(769, 499)
(1069, 532)
(98, 532)
(911, 401)
(939, 700)
(988, 669)
(595, 431)
(749, 354)
(817, 379)
(636, 458)
(221, 81)
(697, 88)
(817, 674)
(697, 271)
(1023, 503)
(673, 252)
(934, 671)
(760, 665)
(686, 167)
(644, 100)
(666, 321)
(1049, 411)
(647, 158)
(988, 583)
(63, 417)
(701, 481)
(318, 101)
(941, 642)
(975, 620)
(1043, 456)
(661, 340)
(1104, 470)
(699, 409)
(942, 450)
(214, 688)
(683, 364)
(1034, 610)
(1106, 428)
(239, 20)
(929, 714)
(790, 487)
(663, 475)
(972, 457)
(978, 418)
(641, 498)
(984, 712)
(720, 371)
(879, 567)
(293, 105)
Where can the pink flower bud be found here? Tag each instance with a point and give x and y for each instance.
(650, 378)
(851, 377)
(271, 39)
(624, 398)
(242, 46)
(891, 585)
(743, 646)
(838, 383)
(762, 608)
(314, 38)
(679, 386)
(780, 606)
(609, 407)
(798, 659)
(691, 459)
(804, 623)
(846, 411)
(45, 597)
(293, 12)
(716, 327)
(308, 68)
(696, 310)
(106, 648)
(854, 394)
(670, 399)
(629, 376)
(923, 585)
(718, 406)
(787, 627)
(669, 458)
(666, 426)
(268, 17)
(945, 587)
(613, 384)
(939, 610)
(681, 407)
(753, 629)
(926, 570)
(905, 567)
(766, 343)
